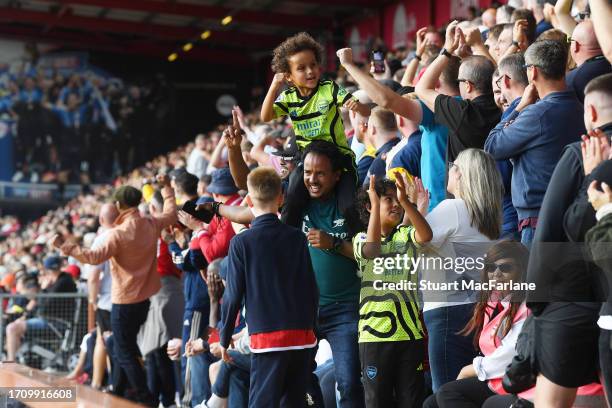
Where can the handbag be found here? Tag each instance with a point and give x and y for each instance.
(521, 373)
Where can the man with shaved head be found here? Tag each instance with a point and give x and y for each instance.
(99, 290)
(488, 17)
(589, 58)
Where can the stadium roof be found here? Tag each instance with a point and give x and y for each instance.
(161, 27)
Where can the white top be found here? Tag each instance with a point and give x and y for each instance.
(394, 151)
(495, 364)
(104, 293)
(196, 163)
(454, 240)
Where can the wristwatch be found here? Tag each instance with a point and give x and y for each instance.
(445, 52)
(516, 44)
(337, 243)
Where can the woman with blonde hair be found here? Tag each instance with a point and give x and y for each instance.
(463, 230)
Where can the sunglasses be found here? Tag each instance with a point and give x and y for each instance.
(505, 268)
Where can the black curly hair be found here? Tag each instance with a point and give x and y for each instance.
(291, 46)
(382, 187)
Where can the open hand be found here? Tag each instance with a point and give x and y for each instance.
(374, 198)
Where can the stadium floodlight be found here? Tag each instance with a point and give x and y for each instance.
(187, 47)
(172, 57)
(205, 34)
(226, 20)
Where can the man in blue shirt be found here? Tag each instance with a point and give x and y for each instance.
(535, 133)
(512, 82)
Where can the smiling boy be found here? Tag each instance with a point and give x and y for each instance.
(313, 106)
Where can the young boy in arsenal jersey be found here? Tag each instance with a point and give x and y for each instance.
(269, 268)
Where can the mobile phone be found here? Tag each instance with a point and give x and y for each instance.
(379, 61)
(203, 215)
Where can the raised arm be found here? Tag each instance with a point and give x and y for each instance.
(372, 248)
(423, 230)
(379, 93)
(258, 151)
(168, 216)
(426, 88)
(233, 139)
(413, 66)
(601, 14)
(565, 20)
(267, 109)
(473, 38)
(89, 256)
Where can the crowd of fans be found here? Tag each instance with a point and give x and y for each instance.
(81, 127)
(316, 253)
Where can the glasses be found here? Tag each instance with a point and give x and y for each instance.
(498, 82)
(505, 268)
(451, 165)
(459, 80)
(525, 66)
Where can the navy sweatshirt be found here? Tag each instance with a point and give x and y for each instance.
(269, 266)
(194, 287)
(534, 139)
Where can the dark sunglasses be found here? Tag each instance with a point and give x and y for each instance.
(507, 267)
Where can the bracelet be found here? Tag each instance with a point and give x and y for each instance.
(418, 57)
(215, 208)
(516, 44)
(445, 52)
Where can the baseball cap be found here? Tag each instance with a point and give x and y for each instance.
(289, 151)
(73, 270)
(52, 262)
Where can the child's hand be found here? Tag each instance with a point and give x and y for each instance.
(345, 55)
(403, 187)
(374, 198)
(422, 201)
(279, 79)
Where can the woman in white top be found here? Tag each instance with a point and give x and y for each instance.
(463, 230)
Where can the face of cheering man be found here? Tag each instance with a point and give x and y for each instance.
(319, 176)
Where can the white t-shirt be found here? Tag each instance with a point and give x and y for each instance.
(196, 163)
(454, 240)
(104, 293)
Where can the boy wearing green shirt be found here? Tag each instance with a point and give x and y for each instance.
(313, 106)
(391, 345)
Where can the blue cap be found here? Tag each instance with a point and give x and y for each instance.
(222, 182)
(53, 263)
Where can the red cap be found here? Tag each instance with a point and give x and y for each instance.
(73, 270)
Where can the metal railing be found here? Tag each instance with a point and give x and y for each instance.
(54, 337)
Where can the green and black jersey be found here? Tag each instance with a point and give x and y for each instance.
(386, 314)
(317, 116)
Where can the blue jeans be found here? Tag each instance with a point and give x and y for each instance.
(240, 362)
(448, 351)
(527, 235)
(199, 364)
(338, 323)
(160, 376)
